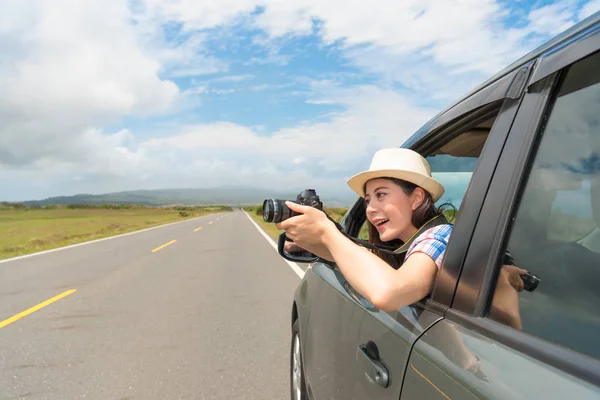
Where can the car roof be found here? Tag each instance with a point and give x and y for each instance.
(546, 47)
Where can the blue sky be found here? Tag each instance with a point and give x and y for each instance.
(119, 95)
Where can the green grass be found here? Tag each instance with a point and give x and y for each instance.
(28, 230)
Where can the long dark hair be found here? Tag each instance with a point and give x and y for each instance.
(423, 214)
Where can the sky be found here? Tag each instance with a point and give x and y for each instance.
(110, 95)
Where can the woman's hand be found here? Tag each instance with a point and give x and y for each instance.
(505, 303)
(307, 230)
(511, 274)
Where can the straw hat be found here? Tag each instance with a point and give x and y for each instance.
(400, 163)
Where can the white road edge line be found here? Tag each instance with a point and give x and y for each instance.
(295, 267)
(97, 240)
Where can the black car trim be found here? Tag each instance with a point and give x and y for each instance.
(435, 307)
(499, 200)
(444, 289)
(486, 96)
(355, 218)
(514, 190)
(575, 364)
(446, 133)
(576, 48)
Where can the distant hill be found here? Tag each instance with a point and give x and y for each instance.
(225, 195)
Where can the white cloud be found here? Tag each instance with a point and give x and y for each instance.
(89, 54)
(438, 48)
(411, 41)
(209, 66)
(195, 15)
(374, 118)
(553, 18)
(590, 8)
(180, 54)
(442, 29)
(65, 71)
(317, 154)
(280, 19)
(71, 69)
(232, 78)
(195, 90)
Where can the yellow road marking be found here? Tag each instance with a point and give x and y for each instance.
(210, 222)
(35, 308)
(163, 246)
(431, 383)
(197, 229)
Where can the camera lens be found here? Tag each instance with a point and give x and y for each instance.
(268, 210)
(275, 210)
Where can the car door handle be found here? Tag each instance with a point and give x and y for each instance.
(367, 356)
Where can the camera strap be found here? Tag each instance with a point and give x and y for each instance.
(391, 250)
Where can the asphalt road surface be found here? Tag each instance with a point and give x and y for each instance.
(204, 317)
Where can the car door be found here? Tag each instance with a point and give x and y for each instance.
(542, 209)
(476, 126)
(331, 334)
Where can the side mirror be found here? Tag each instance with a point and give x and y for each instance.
(302, 256)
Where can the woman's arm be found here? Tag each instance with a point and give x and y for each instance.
(386, 288)
(505, 303)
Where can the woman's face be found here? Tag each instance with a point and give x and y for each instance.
(390, 210)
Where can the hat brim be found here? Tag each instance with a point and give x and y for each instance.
(435, 188)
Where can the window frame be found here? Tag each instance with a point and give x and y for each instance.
(493, 231)
(568, 53)
(444, 289)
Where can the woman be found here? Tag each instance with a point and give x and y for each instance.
(399, 194)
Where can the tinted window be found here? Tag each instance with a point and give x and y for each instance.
(455, 174)
(454, 162)
(555, 234)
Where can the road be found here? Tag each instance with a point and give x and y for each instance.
(204, 317)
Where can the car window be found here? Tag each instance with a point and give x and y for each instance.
(454, 173)
(453, 164)
(555, 233)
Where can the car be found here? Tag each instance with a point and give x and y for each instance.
(520, 159)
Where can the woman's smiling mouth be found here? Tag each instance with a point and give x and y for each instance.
(381, 224)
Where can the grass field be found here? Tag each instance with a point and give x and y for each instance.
(24, 230)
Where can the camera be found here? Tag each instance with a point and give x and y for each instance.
(530, 281)
(275, 210)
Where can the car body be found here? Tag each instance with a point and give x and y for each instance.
(519, 161)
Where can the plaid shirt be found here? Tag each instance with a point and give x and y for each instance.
(432, 242)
